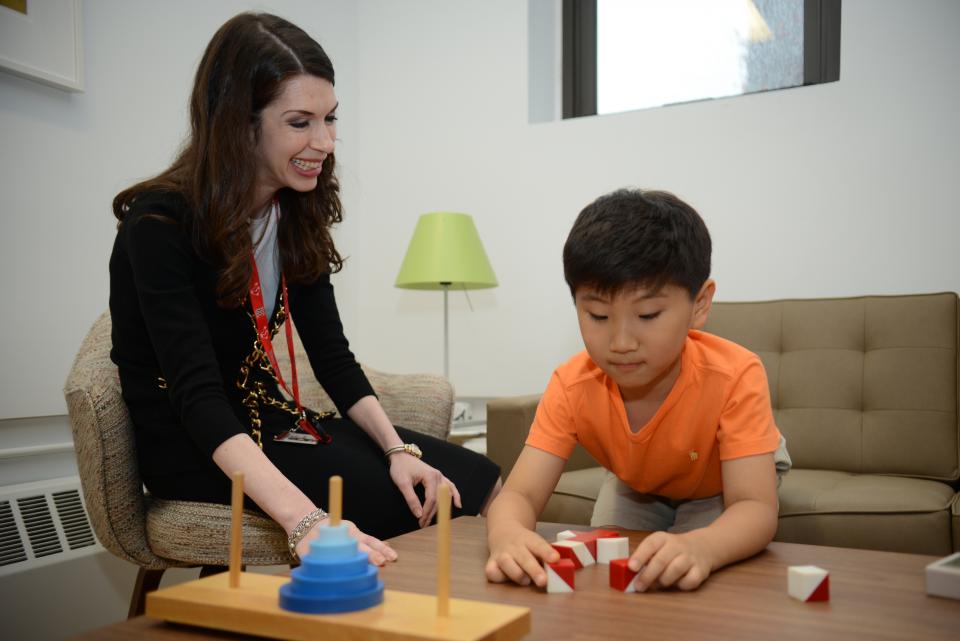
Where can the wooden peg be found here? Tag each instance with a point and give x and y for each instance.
(443, 551)
(336, 500)
(236, 529)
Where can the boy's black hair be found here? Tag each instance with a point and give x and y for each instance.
(637, 238)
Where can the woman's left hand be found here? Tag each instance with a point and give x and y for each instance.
(407, 472)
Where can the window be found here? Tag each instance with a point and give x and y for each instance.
(620, 55)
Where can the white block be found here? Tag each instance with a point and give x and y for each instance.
(565, 535)
(803, 580)
(610, 549)
(943, 577)
(555, 584)
(580, 549)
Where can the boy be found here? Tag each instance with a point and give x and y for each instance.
(681, 419)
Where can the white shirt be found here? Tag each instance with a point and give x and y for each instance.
(266, 252)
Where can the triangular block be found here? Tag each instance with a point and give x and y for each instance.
(621, 577)
(560, 576)
(576, 551)
(822, 593)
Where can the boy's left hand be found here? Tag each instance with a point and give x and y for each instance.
(670, 560)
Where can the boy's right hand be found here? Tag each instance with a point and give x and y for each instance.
(517, 554)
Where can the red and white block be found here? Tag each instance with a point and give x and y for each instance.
(808, 583)
(566, 535)
(560, 576)
(612, 548)
(621, 577)
(591, 538)
(574, 550)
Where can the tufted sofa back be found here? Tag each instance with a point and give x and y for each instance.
(867, 385)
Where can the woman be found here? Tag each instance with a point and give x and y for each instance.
(210, 257)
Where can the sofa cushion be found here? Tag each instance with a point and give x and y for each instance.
(826, 492)
(865, 511)
(816, 492)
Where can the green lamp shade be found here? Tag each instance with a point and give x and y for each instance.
(445, 250)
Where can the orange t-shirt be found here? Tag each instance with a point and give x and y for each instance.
(719, 409)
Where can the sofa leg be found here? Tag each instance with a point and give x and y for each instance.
(147, 581)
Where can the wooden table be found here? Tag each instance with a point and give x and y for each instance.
(873, 595)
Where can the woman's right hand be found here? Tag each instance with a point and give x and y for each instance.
(378, 551)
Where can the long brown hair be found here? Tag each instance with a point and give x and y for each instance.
(242, 71)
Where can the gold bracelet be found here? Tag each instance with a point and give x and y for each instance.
(303, 527)
(409, 448)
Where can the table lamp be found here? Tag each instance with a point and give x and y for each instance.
(445, 252)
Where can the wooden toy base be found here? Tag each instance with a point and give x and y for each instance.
(253, 608)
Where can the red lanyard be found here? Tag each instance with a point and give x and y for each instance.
(263, 333)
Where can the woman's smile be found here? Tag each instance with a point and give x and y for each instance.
(307, 168)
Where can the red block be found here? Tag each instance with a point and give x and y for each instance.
(590, 539)
(565, 569)
(621, 577)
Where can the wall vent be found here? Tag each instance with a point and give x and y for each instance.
(43, 523)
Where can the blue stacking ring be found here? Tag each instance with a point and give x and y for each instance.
(330, 604)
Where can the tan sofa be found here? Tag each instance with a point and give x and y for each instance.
(865, 390)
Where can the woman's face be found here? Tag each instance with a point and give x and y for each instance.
(297, 133)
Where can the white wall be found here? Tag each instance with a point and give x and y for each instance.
(834, 190)
(64, 156)
(839, 189)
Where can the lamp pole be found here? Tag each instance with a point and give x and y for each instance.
(446, 332)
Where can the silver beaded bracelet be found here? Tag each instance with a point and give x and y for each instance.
(304, 526)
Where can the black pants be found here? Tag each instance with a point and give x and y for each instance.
(370, 498)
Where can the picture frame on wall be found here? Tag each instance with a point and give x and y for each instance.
(41, 40)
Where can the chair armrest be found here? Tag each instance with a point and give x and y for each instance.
(420, 402)
(508, 423)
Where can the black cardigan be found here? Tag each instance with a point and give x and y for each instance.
(178, 353)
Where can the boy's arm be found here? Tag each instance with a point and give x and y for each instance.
(516, 550)
(747, 525)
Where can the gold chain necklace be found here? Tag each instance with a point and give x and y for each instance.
(256, 391)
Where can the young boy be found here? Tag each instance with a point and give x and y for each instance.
(681, 419)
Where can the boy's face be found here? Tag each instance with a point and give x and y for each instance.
(637, 336)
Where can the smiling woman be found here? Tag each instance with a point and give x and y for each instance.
(211, 258)
(297, 133)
